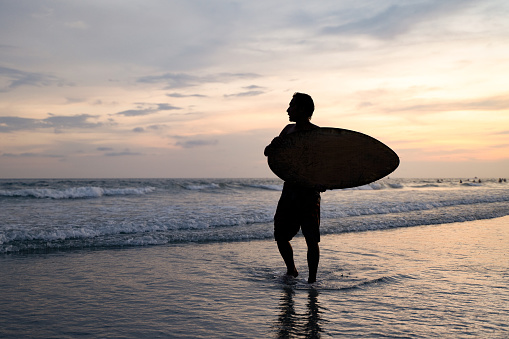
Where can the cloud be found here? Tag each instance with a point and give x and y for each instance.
(58, 122)
(157, 127)
(496, 103)
(75, 121)
(15, 78)
(500, 146)
(182, 80)
(74, 100)
(31, 155)
(137, 112)
(9, 124)
(196, 143)
(253, 87)
(398, 19)
(111, 153)
(253, 90)
(76, 24)
(179, 95)
(147, 111)
(122, 154)
(244, 94)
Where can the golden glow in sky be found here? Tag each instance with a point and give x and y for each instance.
(199, 88)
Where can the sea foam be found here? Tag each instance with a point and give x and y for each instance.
(74, 192)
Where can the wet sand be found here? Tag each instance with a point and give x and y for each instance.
(446, 280)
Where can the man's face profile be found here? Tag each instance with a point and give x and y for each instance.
(293, 111)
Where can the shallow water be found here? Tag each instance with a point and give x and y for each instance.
(428, 281)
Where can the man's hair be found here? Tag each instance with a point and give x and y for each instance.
(305, 102)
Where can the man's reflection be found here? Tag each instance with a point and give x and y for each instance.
(312, 327)
(291, 324)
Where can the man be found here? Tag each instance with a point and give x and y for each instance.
(298, 207)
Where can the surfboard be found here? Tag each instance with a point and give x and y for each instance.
(332, 158)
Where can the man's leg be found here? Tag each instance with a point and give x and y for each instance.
(286, 250)
(313, 259)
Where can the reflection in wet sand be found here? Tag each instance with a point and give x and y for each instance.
(294, 324)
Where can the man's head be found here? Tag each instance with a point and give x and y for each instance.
(301, 104)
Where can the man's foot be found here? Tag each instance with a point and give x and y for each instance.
(311, 280)
(292, 273)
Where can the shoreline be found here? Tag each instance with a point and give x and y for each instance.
(326, 224)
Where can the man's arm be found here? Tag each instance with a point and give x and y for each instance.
(286, 130)
(276, 140)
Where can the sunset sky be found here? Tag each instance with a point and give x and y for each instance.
(104, 88)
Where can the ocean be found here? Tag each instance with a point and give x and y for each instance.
(193, 258)
(42, 215)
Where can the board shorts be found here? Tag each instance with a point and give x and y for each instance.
(298, 208)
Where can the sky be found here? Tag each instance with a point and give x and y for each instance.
(198, 88)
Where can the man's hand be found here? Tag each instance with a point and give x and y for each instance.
(275, 142)
(320, 188)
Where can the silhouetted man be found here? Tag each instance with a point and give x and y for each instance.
(298, 207)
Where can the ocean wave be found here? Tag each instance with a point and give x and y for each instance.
(333, 210)
(199, 187)
(471, 184)
(374, 186)
(131, 235)
(228, 186)
(217, 210)
(425, 186)
(74, 192)
(267, 187)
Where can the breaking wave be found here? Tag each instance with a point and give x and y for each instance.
(74, 192)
